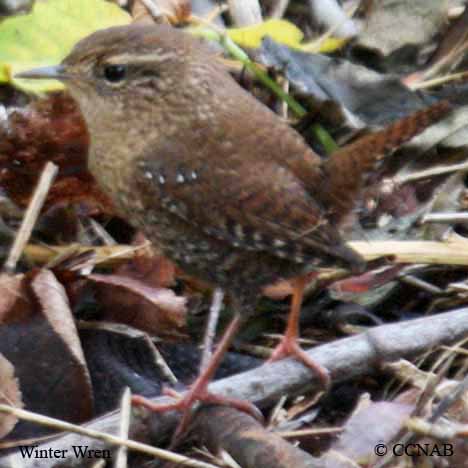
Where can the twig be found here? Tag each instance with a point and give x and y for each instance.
(420, 283)
(279, 8)
(133, 333)
(125, 412)
(445, 218)
(438, 81)
(106, 255)
(31, 215)
(435, 171)
(245, 12)
(210, 332)
(346, 19)
(160, 361)
(431, 252)
(153, 8)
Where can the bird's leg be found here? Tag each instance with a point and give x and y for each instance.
(199, 389)
(289, 345)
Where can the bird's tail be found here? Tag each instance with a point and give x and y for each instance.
(346, 169)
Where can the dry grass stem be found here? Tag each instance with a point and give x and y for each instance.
(108, 438)
(125, 414)
(31, 215)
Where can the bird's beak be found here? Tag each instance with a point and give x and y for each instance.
(56, 72)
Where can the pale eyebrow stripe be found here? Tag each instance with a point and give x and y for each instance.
(123, 59)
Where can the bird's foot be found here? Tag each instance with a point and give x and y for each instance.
(289, 347)
(198, 392)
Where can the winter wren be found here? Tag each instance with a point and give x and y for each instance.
(219, 182)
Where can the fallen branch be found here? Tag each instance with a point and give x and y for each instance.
(247, 441)
(345, 359)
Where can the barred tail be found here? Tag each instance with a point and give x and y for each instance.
(346, 169)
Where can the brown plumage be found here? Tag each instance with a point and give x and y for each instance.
(219, 182)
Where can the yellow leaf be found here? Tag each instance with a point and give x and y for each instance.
(326, 46)
(46, 35)
(281, 31)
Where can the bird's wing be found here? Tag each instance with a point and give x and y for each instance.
(252, 203)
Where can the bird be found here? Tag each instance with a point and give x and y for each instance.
(220, 183)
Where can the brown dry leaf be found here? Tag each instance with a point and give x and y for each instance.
(131, 301)
(54, 301)
(42, 344)
(10, 394)
(49, 129)
(14, 301)
(370, 424)
(151, 269)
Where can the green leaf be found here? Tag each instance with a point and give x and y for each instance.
(47, 34)
(280, 30)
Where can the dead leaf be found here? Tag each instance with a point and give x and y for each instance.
(14, 301)
(54, 302)
(42, 345)
(10, 394)
(373, 423)
(393, 25)
(131, 301)
(49, 129)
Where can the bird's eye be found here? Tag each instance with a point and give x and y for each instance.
(115, 73)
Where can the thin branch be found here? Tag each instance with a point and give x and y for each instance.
(210, 332)
(435, 171)
(125, 413)
(445, 218)
(31, 215)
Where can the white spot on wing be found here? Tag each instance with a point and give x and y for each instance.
(279, 243)
(239, 231)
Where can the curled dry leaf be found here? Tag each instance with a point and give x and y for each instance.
(153, 309)
(49, 129)
(372, 423)
(156, 269)
(9, 394)
(14, 302)
(53, 299)
(41, 343)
